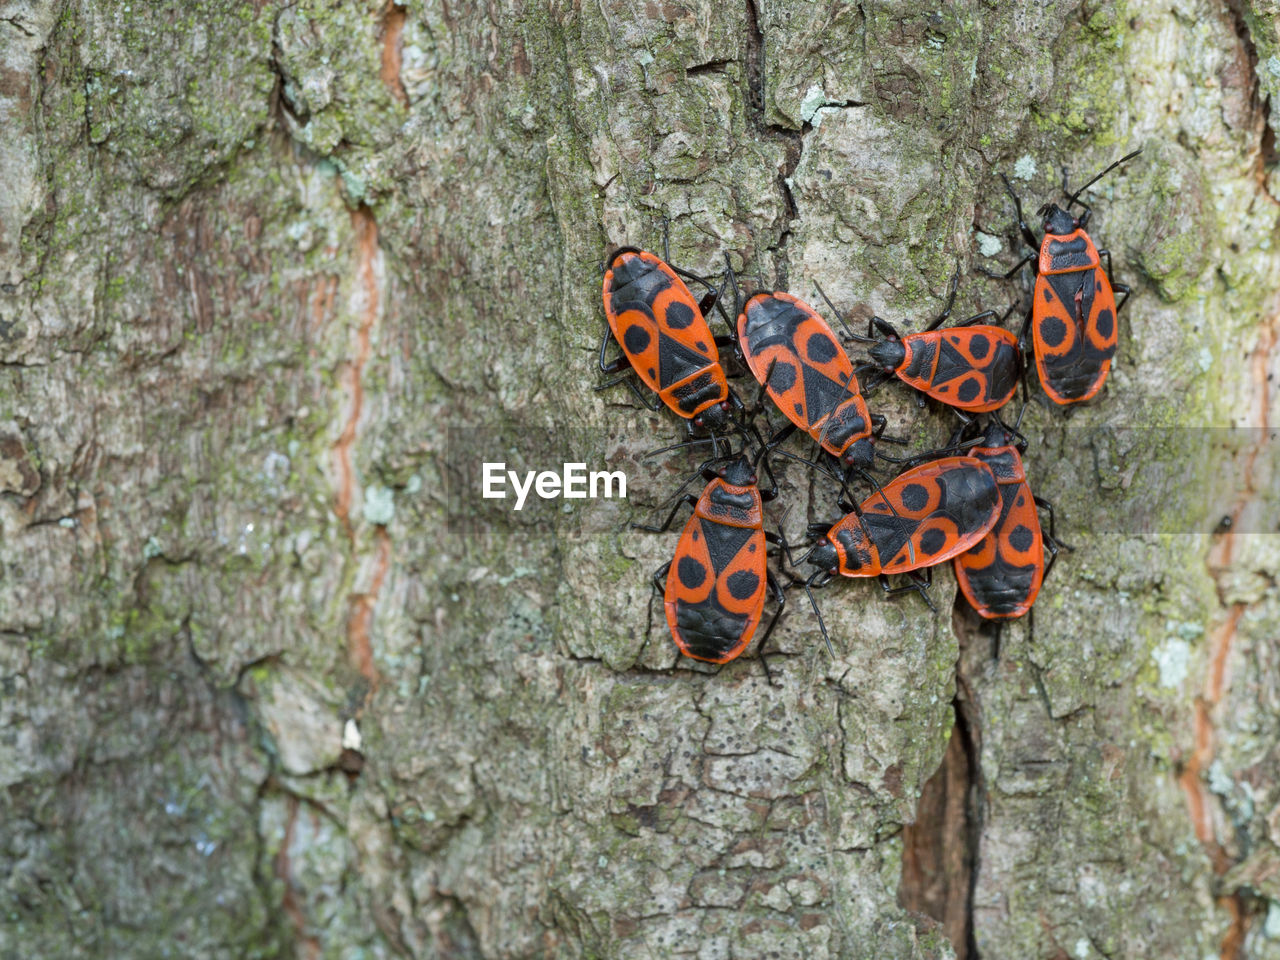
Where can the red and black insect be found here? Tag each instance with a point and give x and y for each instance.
(1001, 576)
(665, 339)
(796, 358)
(715, 587)
(970, 366)
(924, 516)
(1073, 313)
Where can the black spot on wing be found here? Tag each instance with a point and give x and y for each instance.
(932, 542)
(979, 346)
(969, 390)
(635, 338)
(915, 496)
(1106, 324)
(679, 315)
(691, 573)
(783, 377)
(742, 584)
(1021, 538)
(821, 348)
(1052, 331)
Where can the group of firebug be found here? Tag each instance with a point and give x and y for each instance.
(968, 501)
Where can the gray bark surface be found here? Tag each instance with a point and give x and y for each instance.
(275, 278)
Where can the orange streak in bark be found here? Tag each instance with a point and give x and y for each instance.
(361, 618)
(366, 250)
(1198, 796)
(322, 301)
(392, 51)
(360, 614)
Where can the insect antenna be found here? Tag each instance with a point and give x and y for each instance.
(831, 306)
(930, 454)
(808, 589)
(695, 442)
(813, 463)
(1071, 201)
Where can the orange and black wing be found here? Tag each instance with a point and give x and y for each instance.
(811, 373)
(715, 589)
(1073, 325)
(1001, 576)
(972, 368)
(658, 324)
(939, 509)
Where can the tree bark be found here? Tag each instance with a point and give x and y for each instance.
(275, 279)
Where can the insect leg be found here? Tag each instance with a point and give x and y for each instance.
(779, 539)
(1122, 288)
(873, 382)
(878, 424)
(1009, 276)
(918, 583)
(976, 318)
(1027, 235)
(809, 586)
(688, 498)
(781, 599)
(1042, 502)
(781, 436)
(659, 588)
(1116, 287)
(1052, 546)
(613, 366)
(758, 404)
(651, 402)
(951, 299)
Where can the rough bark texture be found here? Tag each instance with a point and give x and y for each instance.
(274, 276)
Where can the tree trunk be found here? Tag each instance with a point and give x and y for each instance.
(276, 279)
